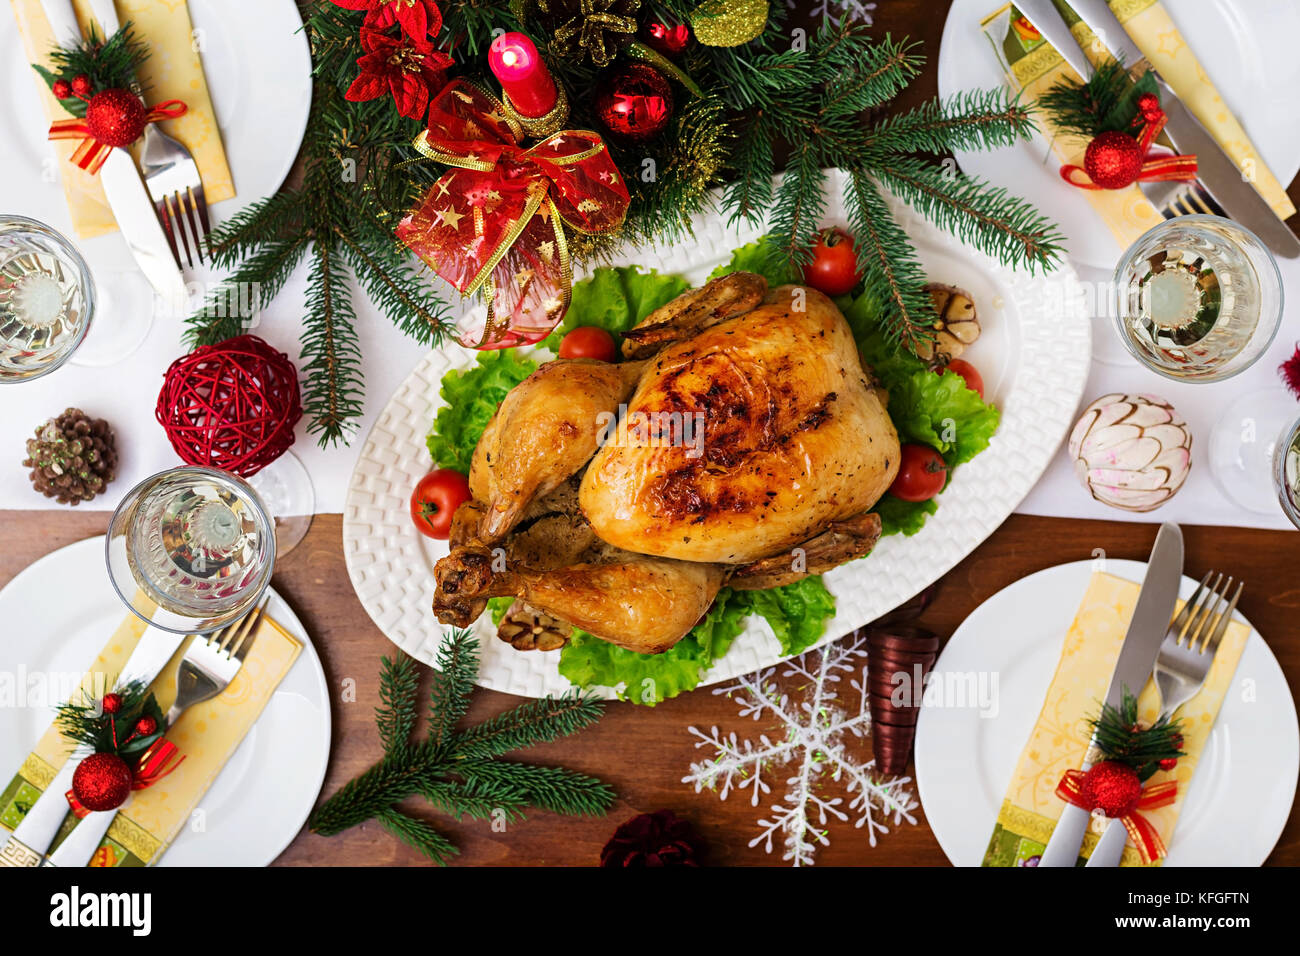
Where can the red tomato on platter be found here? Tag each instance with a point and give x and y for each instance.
(974, 381)
(834, 266)
(435, 499)
(921, 474)
(589, 341)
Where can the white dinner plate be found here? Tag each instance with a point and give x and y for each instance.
(1239, 799)
(1033, 354)
(58, 613)
(1247, 47)
(258, 68)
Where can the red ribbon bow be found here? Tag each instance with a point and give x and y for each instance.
(1140, 830)
(91, 154)
(154, 764)
(1163, 167)
(498, 218)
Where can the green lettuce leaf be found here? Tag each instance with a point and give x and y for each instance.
(761, 258)
(940, 411)
(797, 613)
(615, 299)
(472, 397)
(903, 517)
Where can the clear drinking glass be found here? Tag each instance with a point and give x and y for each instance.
(1199, 298)
(191, 549)
(1286, 471)
(47, 299)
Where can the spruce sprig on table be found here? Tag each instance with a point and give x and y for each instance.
(460, 771)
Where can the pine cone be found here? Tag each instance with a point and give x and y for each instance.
(72, 458)
(587, 30)
(653, 839)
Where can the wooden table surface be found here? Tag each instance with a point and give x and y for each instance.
(644, 752)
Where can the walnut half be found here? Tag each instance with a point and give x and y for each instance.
(525, 629)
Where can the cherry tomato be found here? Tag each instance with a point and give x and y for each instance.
(834, 266)
(921, 474)
(974, 381)
(588, 341)
(435, 500)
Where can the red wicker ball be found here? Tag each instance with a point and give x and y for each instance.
(231, 406)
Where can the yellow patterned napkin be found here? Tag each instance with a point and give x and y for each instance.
(173, 71)
(206, 734)
(1060, 737)
(1033, 66)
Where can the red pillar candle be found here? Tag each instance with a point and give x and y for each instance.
(517, 64)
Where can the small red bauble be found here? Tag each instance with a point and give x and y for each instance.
(81, 85)
(1169, 763)
(112, 703)
(1112, 787)
(634, 102)
(62, 89)
(116, 117)
(102, 782)
(145, 726)
(665, 40)
(1113, 160)
(233, 405)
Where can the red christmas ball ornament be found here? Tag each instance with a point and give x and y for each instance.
(62, 89)
(102, 782)
(665, 40)
(233, 405)
(1113, 160)
(81, 85)
(634, 102)
(111, 703)
(116, 117)
(145, 726)
(1148, 106)
(1112, 787)
(1168, 763)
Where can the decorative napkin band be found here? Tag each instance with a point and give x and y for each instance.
(172, 71)
(1060, 737)
(207, 734)
(1033, 66)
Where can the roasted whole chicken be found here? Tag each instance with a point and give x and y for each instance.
(740, 443)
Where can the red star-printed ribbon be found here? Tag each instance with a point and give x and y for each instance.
(91, 154)
(497, 220)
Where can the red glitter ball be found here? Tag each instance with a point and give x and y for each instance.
(1113, 160)
(112, 703)
(1112, 787)
(116, 117)
(81, 85)
(62, 89)
(1168, 763)
(102, 782)
(231, 406)
(145, 726)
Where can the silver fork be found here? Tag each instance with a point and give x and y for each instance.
(1182, 664)
(211, 663)
(170, 174)
(1182, 199)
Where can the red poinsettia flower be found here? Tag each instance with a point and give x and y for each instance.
(419, 18)
(408, 68)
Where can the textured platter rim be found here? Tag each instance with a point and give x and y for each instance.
(388, 561)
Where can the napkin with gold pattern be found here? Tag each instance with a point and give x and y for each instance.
(1033, 66)
(1061, 735)
(172, 71)
(207, 734)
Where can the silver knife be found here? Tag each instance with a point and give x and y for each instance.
(1222, 178)
(127, 195)
(34, 834)
(1137, 657)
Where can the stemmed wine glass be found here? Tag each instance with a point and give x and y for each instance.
(191, 549)
(47, 299)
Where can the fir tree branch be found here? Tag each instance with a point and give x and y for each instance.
(265, 272)
(538, 721)
(990, 219)
(332, 396)
(458, 801)
(799, 204)
(550, 788)
(418, 834)
(453, 682)
(976, 119)
(395, 717)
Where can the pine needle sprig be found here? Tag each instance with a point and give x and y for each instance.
(1107, 101)
(110, 63)
(974, 119)
(1119, 736)
(458, 772)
